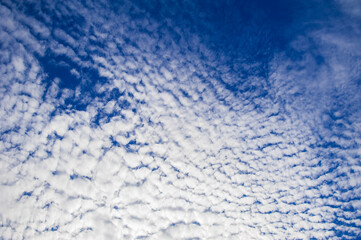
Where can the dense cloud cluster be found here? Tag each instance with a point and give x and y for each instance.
(119, 121)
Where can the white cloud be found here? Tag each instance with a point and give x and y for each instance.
(18, 64)
(183, 158)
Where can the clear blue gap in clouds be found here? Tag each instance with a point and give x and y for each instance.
(241, 32)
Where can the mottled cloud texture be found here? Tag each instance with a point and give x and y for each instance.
(171, 120)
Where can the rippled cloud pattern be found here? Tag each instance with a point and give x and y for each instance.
(180, 119)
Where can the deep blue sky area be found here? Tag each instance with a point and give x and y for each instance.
(247, 29)
(180, 119)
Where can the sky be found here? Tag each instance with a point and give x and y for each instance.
(192, 119)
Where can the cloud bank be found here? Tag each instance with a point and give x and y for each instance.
(158, 121)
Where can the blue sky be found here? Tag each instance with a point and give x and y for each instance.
(180, 119)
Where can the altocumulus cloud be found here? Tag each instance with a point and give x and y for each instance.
(180, 120)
